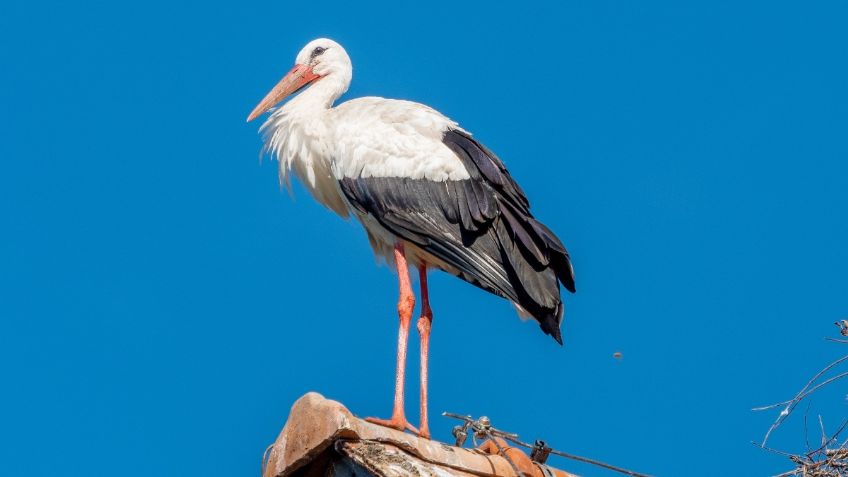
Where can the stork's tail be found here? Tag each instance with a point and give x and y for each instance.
(549, 323)
(536, 263)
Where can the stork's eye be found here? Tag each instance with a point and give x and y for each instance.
(317, 51)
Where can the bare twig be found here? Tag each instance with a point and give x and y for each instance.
(804, 392)
(788, 473)
(828, 441)
(830, 459)
(823, 433)
(774, 451)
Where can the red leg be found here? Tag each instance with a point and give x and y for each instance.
(424, 324)
(406, 304)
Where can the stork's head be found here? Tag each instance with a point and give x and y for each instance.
(322, 59)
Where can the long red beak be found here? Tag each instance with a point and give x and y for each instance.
(297, 78)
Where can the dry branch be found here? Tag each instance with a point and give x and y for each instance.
(825, 461)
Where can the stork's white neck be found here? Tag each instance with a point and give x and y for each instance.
(318, 97)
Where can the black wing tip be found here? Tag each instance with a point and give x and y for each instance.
(558, 338)
(569, 281)
(550, 324)
(555, 333)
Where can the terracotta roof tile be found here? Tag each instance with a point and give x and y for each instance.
(323, 438)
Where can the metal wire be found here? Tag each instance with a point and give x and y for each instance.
(504, 454)
(483, 426)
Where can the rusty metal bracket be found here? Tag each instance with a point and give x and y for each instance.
(482, 429)
(540, 452)
(460, 433)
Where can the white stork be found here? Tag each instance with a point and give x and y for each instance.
(428, 194)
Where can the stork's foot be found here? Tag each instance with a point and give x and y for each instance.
(397, 422)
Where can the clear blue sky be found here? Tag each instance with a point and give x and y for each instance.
(163, 302)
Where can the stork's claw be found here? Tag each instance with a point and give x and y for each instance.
(397, 422)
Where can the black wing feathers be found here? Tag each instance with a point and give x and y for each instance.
(480, 226)
(399, 205)
(483, 163)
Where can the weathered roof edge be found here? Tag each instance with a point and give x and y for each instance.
(316, 423)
